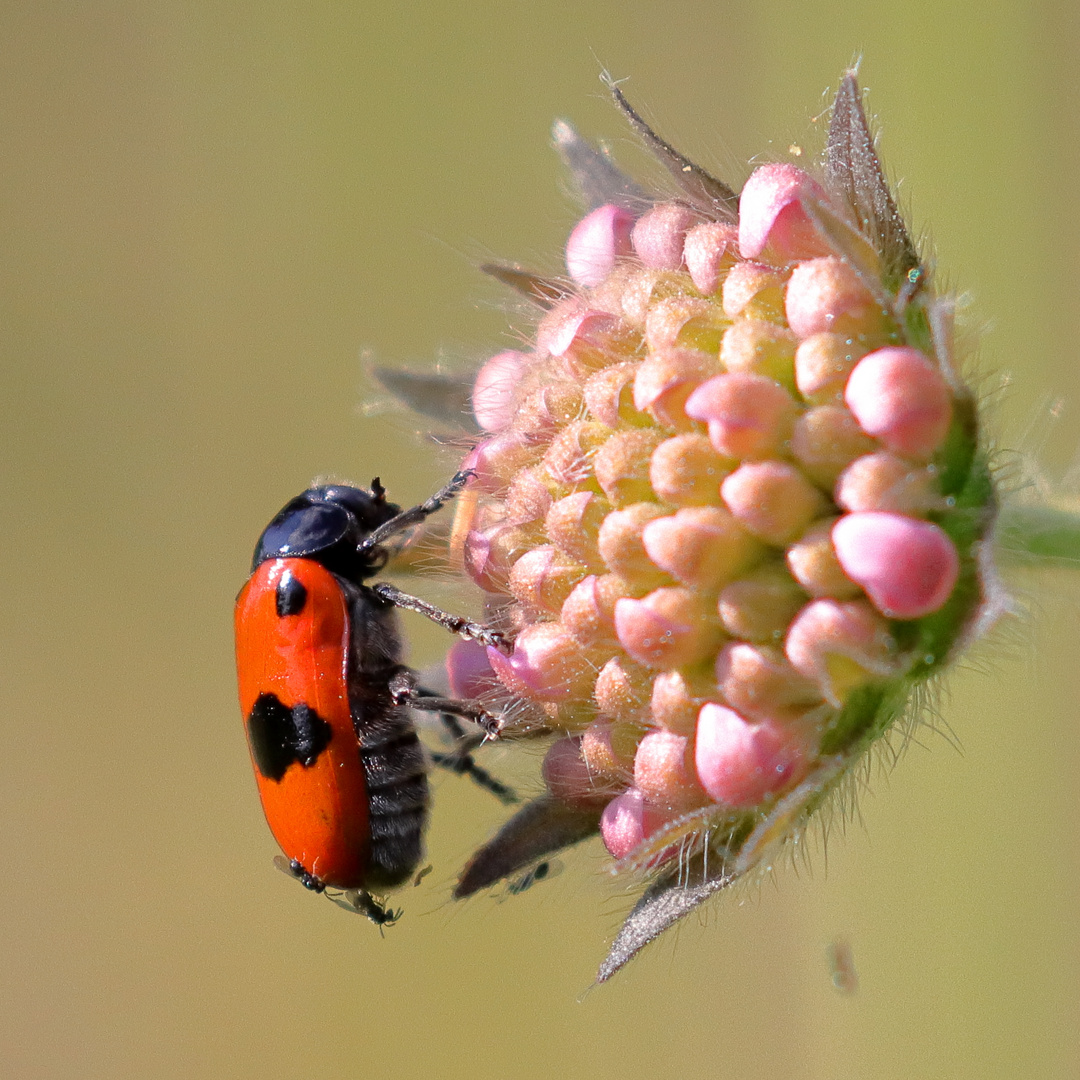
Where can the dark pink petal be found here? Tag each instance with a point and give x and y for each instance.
(908, 567)
(740, 764)
(771, 217)
(495, 389)
(901, 398)
(598, 241)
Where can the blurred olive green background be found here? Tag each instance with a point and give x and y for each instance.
(209, 211)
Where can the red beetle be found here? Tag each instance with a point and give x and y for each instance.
(326, 699)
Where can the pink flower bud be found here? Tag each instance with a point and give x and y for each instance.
(599, 239)
(468, 670)
(684, 322)
(659, 235)
(772, 500)
(496, 461)
(666, 379)
(760, 683)
(749, 416)
(841, 646)
(710, 249)
(760, 606)
(546, 665)
(569, 778)
(740, 764)
(686, 470)
(669, 628)
(702, 546)
(608, 750)
(901, 398)
(488, 554)
(814, 565)
(621, 465)
(826, 440)
(543, 578)
(628, 821)
(609, 395)
(548, 408)
(622, 690)
(823, 363)
(568, 458)
(573, 524)
(530, 495)
(883, 481)
(772, 220)
(754, 291)
(586, 339)
(677, 697)
(589, 611)
(495, 389)
(827, 295)
(907, 567)
(761, 348)
(622, 546)
(664, 771)
(635, 289)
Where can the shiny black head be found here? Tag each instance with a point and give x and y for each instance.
(326, 524)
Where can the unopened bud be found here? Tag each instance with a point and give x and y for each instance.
(660, 233)
(609, 395)
(495, 390)
(899, 397)
(749, 416)
(772, 222)
(665, 380)
(761, 348)
(573, 524)
(841, 646)
(740, 763)
(547, 664)
(543, 578)
(908, 567)
(826, 440)
(622, 546)
(827, 295)
(622, 690)
(772, 500)
(759, 607)
(589, 611)
(760, 684)
(883, 481)
(814, 565)
(703, 547)
(710, 250)
(685, 322)
(669, 628)
(597, 242)
(754, 291)
(664, 771)
(622, 465)
(677, 697)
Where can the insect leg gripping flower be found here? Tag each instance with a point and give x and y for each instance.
(730, 506)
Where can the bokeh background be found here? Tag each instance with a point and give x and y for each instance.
(209, 211)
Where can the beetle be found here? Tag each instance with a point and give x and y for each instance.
(326, 698)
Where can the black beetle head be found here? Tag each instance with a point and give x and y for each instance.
(326, 524)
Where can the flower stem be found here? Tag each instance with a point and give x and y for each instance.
(1035, 535)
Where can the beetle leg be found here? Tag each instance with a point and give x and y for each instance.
(405, 691)
(456, 624)
(414, 515)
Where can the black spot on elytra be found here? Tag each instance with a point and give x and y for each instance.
(280, 736)
(291, 595)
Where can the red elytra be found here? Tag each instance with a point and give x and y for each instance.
(316, 804)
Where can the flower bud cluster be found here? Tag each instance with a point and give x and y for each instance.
(723, 506)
